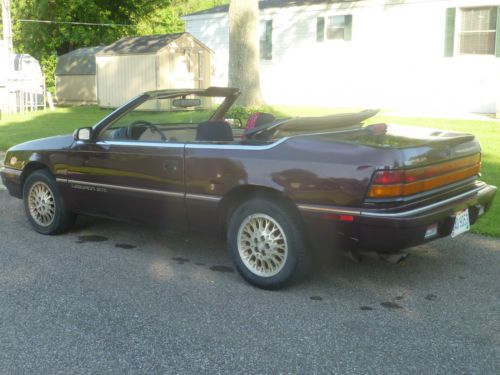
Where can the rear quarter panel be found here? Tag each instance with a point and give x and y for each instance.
(308, 170)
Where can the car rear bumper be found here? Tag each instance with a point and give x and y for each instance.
(11, 178)
(390, 231)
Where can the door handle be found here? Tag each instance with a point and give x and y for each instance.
(171, 165)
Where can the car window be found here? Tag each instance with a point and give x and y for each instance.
(162, 120)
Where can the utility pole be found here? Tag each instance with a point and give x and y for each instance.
(7, 26)
(5, 105)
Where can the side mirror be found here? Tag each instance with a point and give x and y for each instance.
(82, 134)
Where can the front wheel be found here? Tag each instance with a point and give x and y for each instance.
(267, 244)
(44, 205)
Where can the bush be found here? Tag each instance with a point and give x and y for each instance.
(48, 64)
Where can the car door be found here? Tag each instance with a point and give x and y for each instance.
(129, 180)
(131, 164)
(129, 168)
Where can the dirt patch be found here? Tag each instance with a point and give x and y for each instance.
(125, 246)
(390, 305)
(221, 269)
(91, 238)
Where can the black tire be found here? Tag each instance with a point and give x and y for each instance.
(60, 219)
(294, 265)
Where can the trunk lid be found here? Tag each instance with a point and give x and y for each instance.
(430, 161)
(411, 162)
(417, 146)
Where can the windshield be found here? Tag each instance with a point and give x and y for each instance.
(170, 119)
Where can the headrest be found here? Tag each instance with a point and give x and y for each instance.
(214, 131)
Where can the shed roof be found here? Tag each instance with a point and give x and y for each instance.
(139, 44)
(78, 62)
(267, 4)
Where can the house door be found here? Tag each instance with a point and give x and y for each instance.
(183, 70)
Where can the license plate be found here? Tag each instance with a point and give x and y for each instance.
(462, 223)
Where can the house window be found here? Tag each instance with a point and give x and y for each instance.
(334, 28)
(266, 40)
(478, 31)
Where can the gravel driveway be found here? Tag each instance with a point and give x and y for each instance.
(118, 298)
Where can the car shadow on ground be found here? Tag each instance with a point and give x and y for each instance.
(437, 275)
(426, 263)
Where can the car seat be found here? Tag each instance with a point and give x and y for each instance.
(214, 131)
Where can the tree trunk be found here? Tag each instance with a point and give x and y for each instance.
(244, 54)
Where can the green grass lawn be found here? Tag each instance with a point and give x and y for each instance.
(15, 129)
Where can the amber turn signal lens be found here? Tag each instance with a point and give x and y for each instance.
(401, 183)
(381, 191)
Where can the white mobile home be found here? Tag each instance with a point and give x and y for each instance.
(416, 54)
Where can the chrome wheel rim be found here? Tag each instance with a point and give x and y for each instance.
(41, 204)
(262, 245)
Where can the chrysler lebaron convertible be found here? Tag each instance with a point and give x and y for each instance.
(279, 189)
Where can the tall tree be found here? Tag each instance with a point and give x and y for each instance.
(244, 54)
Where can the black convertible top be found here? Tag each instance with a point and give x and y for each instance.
(313, 124)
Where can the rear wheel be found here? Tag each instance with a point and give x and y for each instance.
(44, 205)
(266, 243)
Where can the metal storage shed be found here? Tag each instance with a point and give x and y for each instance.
(76, 77)
(137, 64)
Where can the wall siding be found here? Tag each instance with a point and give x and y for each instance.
(76, 89)
(120, 78)
(216, 33)
(395, 59)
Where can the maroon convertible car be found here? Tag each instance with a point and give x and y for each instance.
(278, 188)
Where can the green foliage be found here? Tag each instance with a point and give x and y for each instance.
(42, 39)
(168, 19)
(48, 64)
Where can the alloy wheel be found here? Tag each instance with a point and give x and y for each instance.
(262, 245)
(41, 204)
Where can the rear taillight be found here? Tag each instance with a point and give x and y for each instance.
(402, 183)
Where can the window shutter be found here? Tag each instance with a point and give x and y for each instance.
(348, 28)
(269, 40)
(497, 41)
(320, 29)
(449, 40)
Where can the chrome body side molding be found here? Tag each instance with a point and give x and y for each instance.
(365, 213)
(77, 184)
